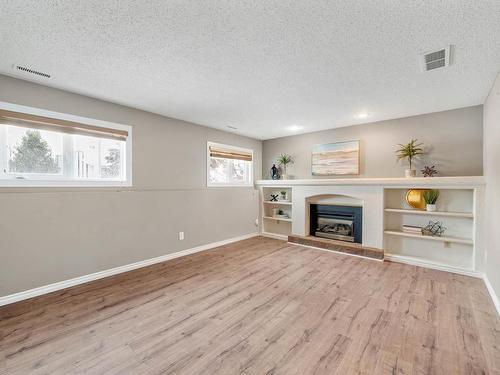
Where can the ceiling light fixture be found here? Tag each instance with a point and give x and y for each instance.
(295, 128)
(363, 115)
(231, 127)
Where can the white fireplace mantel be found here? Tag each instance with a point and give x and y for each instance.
(460, 181)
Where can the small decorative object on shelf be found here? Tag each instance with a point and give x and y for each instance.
(411, 229)
(275, 174)
(281, 215)
(273, 197)
(415, 199)
(429, 171)
(409, 151)
(283, 161)
(283, 195)
(434, 229)
(430, 198)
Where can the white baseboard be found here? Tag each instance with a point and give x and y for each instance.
(275, 236)
(16, 297)
(433, 265)
(492, 293)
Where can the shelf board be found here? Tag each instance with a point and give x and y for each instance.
(279, 202)
(430, 213)
(277, 218)
(465, 241)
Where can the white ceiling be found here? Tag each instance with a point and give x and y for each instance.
(261, 66)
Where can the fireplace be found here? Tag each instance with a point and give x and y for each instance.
(342, 223)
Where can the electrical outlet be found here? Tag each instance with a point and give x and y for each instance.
(181, 236)
(256, 222)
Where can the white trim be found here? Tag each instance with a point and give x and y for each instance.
(16, 297)
(236, 148)
(457, 182)
(73, 182)
(492, 293)
(276, 236)
(432, 265)
(336, 252)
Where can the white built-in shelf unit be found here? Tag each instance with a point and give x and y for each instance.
(455, 210)
(274, 226)
(459, 209)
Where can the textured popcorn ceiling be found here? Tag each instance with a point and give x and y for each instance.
(261, 66)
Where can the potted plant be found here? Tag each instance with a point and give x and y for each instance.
(284, 160)
(409, 152)
(283, 195)
(430, 198)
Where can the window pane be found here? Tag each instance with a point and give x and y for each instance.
(34, 151)
(218, 170)
(238, 171)
(111, 158)
(97, 158)
(86, 160)
(229, 171)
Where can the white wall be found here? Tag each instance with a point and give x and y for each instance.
(492, 176)
(49, 235)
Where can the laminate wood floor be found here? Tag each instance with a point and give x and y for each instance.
(259, 306)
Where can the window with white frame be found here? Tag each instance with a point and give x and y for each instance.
(43, 151)
(229, 165)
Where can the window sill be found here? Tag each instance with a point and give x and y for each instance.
(229, 185)
(61, 184)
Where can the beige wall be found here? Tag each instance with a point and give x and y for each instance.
(50, 235)
(453, 141)
(492, 175)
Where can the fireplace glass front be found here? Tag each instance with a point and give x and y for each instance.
(336, 222)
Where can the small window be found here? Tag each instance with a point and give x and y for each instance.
(46, 151)
(229, 165)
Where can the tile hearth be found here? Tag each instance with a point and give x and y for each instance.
(340, 246)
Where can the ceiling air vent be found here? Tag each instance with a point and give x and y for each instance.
(31, 71)
(436, 59)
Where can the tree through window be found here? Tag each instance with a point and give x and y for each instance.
(33, 155)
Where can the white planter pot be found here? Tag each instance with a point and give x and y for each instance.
(410, 173)
(431, 207)
(285, 176)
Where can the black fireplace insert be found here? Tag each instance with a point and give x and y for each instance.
(342, 223)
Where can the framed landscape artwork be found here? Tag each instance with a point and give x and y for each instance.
(340, 158)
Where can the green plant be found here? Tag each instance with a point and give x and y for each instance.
(431, 196)
(409, 151)
(33, 155)
(283, 192)
(284, 160)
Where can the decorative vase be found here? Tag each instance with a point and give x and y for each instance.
(410, 173)
(430, 207)
(285, 177)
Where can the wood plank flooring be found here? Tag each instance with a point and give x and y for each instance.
(259, 306)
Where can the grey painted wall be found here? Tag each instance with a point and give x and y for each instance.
(49, 235)
(453, 139)
(492, 176)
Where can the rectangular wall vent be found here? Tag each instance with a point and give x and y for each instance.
(31, 71)
(435, 59)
